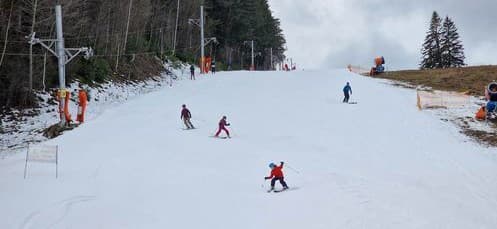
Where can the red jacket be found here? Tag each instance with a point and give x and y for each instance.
(276, 172)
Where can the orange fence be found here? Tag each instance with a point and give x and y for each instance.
(358, 69)
(441, 99)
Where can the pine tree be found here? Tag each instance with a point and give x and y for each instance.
(451, 45)
(431, 51)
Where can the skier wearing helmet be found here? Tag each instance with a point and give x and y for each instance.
(276, 175)
(222, 126)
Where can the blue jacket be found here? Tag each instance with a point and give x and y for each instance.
(347, 89)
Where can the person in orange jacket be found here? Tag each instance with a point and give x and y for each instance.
(276, 175)
(83, 101)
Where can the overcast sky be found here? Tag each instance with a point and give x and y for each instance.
(323, 33)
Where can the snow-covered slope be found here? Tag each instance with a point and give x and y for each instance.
(377, 164)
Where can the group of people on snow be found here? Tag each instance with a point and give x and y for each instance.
(186, 116)
(276, 171)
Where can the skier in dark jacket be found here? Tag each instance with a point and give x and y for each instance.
(213, 67)
(222, 126)
(186, 116)
(276, 175)
(192, 72)
(346, 90)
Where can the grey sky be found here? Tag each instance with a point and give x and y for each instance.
(324, 33)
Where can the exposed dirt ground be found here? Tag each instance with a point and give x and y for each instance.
(472, 80)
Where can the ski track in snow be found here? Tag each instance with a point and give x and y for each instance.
(63, 208)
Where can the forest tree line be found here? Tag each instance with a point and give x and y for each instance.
(127, 49)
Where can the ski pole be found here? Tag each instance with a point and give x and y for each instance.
(291, 168)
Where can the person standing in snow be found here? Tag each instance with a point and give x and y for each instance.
(186, 116)
(276, 175)
(192, 72)
(213, 67)
(347, 91)
(222, 126)
(491, 96)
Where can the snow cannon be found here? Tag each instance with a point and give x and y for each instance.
(492, 87)
(379, 68)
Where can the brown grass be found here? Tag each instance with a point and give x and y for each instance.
(472, 80)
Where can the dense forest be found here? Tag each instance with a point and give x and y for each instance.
(128, 37)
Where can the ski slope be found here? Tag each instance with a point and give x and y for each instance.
(380, 163)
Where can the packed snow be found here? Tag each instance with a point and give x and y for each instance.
(379, 163)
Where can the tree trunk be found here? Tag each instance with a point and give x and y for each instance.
(7, 33)
(33, 22)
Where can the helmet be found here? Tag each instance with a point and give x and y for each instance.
(184, 105)
(272, 165)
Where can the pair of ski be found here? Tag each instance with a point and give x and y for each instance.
(219, 137)
(279, 190)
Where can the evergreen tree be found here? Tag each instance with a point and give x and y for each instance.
(451, 45)
(431, 50)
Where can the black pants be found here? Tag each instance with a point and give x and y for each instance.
(347, 96)
(282, 182)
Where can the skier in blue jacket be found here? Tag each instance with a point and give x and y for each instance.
(346, 90)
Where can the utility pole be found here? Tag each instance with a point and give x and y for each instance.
(127, 26)
(64, 55)
(271, 51)
(60, 48)
(176, 30)
(202, 41)
(252, 66)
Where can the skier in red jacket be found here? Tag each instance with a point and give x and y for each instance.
(276, 175)
(222, 126)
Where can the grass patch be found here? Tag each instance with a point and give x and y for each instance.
(471, 80)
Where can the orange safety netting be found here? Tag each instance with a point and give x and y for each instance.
(358, 69)
(441, 99)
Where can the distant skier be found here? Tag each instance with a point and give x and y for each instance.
(346, 90)
(213, 67)
(222, 126)
(276, 175)
(186, 116)
(192, 72)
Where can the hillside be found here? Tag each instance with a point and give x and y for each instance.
(472, 80)
(364, 165)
